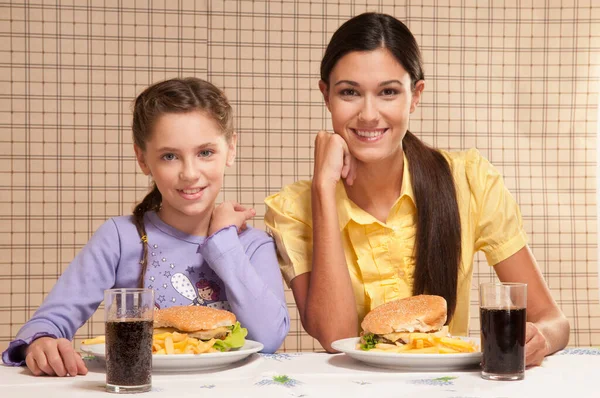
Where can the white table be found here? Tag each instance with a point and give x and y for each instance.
(572, 373)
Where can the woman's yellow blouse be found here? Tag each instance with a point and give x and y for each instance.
(380, 255)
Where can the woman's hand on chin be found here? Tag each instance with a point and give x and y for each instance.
(333, 161)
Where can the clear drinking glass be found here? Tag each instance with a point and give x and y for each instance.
(503, 316)
(129, 315)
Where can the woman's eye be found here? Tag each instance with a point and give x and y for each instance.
(205, 153)
(168, 156)
(389, 92)
(348, 92)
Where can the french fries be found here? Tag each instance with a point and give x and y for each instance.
(424, 343)
(170, 343)
(180, 343)
(95, 340)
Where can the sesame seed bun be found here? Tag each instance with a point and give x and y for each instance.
(192, 318)
(423, 313)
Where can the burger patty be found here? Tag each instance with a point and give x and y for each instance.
(217, 333)
(404, 337)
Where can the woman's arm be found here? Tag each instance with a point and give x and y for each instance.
(548, 328)
(324, 297)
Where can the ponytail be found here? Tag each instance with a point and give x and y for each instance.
(438, 238)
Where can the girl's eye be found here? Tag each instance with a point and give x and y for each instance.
(168, 156)
(348, 92)
(205, 153)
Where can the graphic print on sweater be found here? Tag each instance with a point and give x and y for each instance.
(205, 292)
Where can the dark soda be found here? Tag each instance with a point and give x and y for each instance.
(503, 340)
(129, 352)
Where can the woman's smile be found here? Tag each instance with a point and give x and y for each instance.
(369, 135)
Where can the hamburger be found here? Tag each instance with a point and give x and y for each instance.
(203, 323)
(394, 322)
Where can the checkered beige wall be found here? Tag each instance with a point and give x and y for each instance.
(517, 81)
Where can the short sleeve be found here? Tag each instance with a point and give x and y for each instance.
(499, 228)
(289, 221)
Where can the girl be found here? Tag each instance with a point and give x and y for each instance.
(183, 138)
(385, 216)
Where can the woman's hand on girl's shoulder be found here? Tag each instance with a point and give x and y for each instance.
(332, 160)
(230, 213)
(54, 357)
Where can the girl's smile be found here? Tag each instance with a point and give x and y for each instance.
(191, 193)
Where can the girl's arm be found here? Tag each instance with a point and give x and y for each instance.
(252, 282)
(75, 296)
(547, 328)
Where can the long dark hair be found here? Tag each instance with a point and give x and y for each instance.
(179, 95)
(438, 240)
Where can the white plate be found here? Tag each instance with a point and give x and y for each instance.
(188, 362)
(411, 362)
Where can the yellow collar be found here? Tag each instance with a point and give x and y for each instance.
(348, 210)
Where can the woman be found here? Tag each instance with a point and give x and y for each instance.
(385, 216)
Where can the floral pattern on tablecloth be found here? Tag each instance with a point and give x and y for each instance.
(280, 357)
(579, 351)
(438, 381)
(279, 380)
(315, 375)
(290, 385)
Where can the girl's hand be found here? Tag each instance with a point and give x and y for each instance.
(229, 213)
(332, 160)
(54, 357)
(536, 346)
